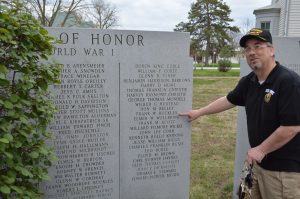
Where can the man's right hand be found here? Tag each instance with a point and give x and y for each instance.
(192, 115)
(217, 106)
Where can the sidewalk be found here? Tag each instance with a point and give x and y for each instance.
(214, 68)
(216, 77)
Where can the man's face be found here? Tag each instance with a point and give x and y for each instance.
(258, 54)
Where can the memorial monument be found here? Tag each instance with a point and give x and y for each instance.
(118, 134)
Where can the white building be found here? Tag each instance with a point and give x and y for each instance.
(281, 18)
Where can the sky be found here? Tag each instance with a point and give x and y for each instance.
(163, 15)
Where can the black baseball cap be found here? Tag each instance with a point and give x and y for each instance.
(256, 33)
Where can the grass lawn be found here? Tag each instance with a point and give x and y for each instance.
(213, 141)
(214, 72)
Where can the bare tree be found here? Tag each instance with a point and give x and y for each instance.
(47, 11)
(103, 15)
(247, 24)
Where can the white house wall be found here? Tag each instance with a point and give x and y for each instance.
(286, 23)
(272, 17)
(281, 27)
(294, 16)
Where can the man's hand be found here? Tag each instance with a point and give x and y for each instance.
(217, 106)
(192, 115)
(281, 136)
(255, 155)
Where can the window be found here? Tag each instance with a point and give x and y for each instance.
(265, 25)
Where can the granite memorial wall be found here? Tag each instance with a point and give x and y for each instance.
(118, 133)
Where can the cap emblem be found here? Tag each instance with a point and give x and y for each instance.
(255, 31)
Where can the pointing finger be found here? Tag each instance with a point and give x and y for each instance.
(184, 114)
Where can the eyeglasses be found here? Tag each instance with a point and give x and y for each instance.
(256, 47)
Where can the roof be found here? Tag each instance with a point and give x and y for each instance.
(269, 7)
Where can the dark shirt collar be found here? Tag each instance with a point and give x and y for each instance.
(270, 77)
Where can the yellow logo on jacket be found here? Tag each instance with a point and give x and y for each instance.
(268, 95)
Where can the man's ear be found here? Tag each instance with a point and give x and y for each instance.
(272, 51)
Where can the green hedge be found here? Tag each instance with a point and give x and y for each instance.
(25, 105)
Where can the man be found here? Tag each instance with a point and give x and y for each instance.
(271, 95)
